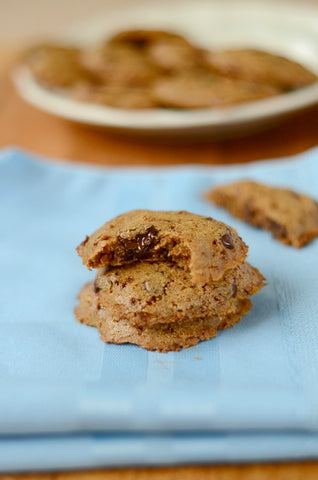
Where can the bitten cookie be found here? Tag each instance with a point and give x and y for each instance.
(261, 67)
(153, 293)
(201, 245)
(162, 337)
(291, 217)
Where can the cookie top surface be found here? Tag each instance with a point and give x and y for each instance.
(151, 293)
(119, 64)
(160, 337)
(262, 67)
(291, 217)
(201, 245)
(202, 89)
(142, 38)
(57, 66)
(114, 95)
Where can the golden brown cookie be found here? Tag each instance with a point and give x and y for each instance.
(163, 337)
(87, 309)
(57, 66)
(261, 67)
(113, 95)
(140, 38)
(120, 64)
(201, 245)
(152, 293)
(173, 56)
(204, 90)
(291, 217)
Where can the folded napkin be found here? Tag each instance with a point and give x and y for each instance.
(68, 400)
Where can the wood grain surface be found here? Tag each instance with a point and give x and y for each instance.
(23, 126)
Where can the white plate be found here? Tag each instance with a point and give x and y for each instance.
(284, 29)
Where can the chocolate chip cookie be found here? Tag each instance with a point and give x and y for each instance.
(122, 65)
(145, 294)
(160, 337)
(114, 95)
(291, 217)
(201, 89)
(57, 66)
(200, 245)
(260, 67)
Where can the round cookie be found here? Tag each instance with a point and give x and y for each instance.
(201, 245)
(114, 96)
(261, 67)
(57, 67)
(120, 64)
(152, 293)
(173, 56)
(163, 337)
(205, 90)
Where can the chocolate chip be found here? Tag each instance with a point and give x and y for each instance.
(227, 240)
(278, 230)
(96, 287)
(209, 218)
(140, 246)
(234, 290)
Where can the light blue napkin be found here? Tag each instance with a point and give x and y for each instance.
(250, 393)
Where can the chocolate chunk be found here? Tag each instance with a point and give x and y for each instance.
(234, 290)
(227, 240)
(96, 288)
(141, 245)
(278, 230)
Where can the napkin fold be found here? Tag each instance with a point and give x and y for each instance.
(67, 400)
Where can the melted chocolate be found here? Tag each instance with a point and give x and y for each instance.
(227, 240)
(141, 245)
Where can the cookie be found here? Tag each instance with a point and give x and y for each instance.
(261, 67)
(143, 38)
(163, 337)
(87, 309)
(291, 217)
(204, 90)
(118, 64)
(57, 67)
(173, 56)
(145, 294)
(114, 96)
(201, 245)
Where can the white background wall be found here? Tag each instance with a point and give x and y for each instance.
(32, 19)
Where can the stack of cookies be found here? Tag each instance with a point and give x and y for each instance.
(165, 280)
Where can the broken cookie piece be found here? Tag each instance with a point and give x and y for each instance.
(201, 245)
(291, 217)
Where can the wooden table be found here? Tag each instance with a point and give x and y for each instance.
(23, 126)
